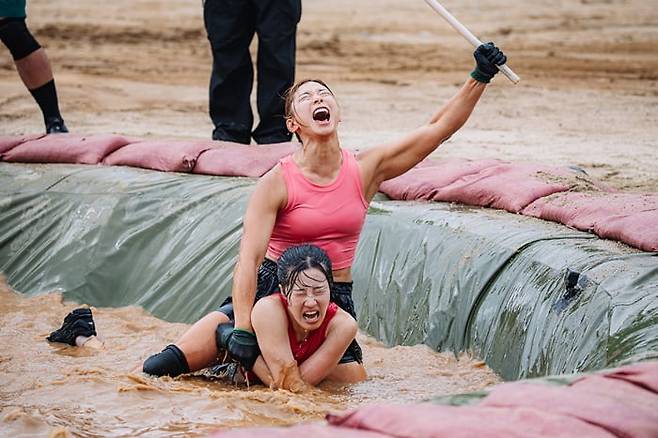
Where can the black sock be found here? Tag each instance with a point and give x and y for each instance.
(46, 97)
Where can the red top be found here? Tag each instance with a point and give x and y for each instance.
(305, 349)
(330, 216)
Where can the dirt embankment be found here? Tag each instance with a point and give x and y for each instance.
(588, 96)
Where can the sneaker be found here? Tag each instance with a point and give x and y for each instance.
(82, 312)
(77, 323)
(55, 125)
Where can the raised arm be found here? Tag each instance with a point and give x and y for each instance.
(392, 159)
(268, 196)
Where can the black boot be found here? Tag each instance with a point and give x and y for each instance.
(55, 125)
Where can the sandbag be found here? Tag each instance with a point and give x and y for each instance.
(616, 402)
(613, 404)
(429, 176)
(643, 374)
(428, 420)
(66, 148)
(163, 155)
(507, 186)
(628, 217)
(9, 142)
(234, 159)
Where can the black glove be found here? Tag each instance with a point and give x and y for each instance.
(487, 57)
(242, 346)
(222, 335)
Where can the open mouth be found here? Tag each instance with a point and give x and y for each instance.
(321, 114)
(311, 317)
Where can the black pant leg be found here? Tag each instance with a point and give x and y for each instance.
(276, 27)
(230, 25)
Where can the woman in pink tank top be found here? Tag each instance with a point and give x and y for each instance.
(318, 195)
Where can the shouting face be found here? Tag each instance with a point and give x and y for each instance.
(315, 111)
(308, 299)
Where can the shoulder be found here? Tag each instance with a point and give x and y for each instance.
(272, 185)
(274, 176)
(268, 304)
(342, 324)
(268, 309)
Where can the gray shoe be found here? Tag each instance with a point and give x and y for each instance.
(55, 125)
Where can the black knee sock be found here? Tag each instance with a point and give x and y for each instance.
(46, 97)
(169, 362)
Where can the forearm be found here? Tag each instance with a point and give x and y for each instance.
(458, 109)
(262, 371)
(244, 293)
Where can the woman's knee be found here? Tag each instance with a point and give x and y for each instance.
(352, 372)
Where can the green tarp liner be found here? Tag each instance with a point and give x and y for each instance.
(530, 297)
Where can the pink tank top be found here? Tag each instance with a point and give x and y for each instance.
(330, 216)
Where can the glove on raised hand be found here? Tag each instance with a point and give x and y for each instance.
(243, 347)
(487, 57)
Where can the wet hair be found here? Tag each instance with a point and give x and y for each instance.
(296, 259)
(289, 110)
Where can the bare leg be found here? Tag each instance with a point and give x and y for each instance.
(352, 372)
(198, 343)
(34, 69)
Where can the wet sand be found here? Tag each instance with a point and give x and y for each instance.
(102, 392)
(588, 96)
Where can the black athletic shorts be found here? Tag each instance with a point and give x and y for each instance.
(341, 294)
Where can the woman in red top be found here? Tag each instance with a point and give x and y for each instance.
(301, 334)
(317, 195)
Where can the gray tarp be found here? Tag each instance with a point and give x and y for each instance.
(531, 297)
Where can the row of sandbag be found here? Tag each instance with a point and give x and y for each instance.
(197, 156)
(558, 194)
(622, 402)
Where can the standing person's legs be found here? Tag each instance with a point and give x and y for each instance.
(276, 28)
(34, 69)
(230, 26)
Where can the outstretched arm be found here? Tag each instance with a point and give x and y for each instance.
(393, 159)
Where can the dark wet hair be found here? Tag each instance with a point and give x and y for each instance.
(299, 258)
(289, 110)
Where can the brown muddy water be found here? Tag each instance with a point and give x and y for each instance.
(53, 390)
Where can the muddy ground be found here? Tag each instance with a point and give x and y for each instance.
(589, 69)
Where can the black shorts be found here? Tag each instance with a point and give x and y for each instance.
(341, 294)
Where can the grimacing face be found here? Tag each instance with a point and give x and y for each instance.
(315, 110)
(308, 299)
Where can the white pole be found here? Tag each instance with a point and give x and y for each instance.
(469, 36)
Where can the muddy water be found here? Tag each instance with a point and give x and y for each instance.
(57, 390)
